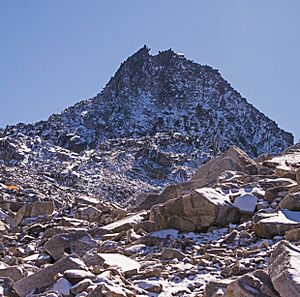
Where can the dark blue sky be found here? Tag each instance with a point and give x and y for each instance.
(54, 53)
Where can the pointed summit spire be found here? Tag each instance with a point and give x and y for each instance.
(144, 51)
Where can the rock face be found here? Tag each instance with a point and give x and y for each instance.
(160, 93)
(284, 269)
(197, 211)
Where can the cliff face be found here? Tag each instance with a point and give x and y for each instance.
(158, 118)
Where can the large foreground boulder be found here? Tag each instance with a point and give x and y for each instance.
(269, 225)
(284, 269)
(196, 211)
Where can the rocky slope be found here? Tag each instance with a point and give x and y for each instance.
(157, 120)
(228, 233)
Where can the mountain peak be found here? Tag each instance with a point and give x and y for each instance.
(167, 93)
(158, 118)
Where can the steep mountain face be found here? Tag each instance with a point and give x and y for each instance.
(158, 118)
(165, 93)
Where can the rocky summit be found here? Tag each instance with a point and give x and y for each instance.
(157, 120)
(167, 183)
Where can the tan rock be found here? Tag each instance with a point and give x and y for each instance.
(78, 242)
(272, 193)
(298, 176)
(125, 223)
(233, 159)
(169, 253)
(81, 286)
(89, 213)
(59, 230)
(45, 277)
(197, 211)
(34, 209)
(291, 201)
(108, 290)
(127, 265)
(216, 288)
(77, 275)
(15, 273)
(268, 225)
(253, 284)
(284, 269)
(292, 235)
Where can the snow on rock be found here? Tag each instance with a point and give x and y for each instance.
(268, 225)
(126, 264)
(246, 203)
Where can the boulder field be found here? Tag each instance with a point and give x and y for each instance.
(232, 230)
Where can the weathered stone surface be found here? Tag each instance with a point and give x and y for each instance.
(169, 253)
(291, 201)
(298, 176)
(78, 242)
(38, 259)
(63, 287)
(15, 273)
(233, 159)
(89, 213)
(108, 291)
(216, 288)
(272, 193)
(34, 209)
(255, 284)
(284, 269)
(197, 211)
(60, 230)
(292, 235)
(81, 286)
(268, 225)
(45, 277)
(125, 223)
(77, 275)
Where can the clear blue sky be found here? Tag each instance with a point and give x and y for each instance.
(54, 53)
